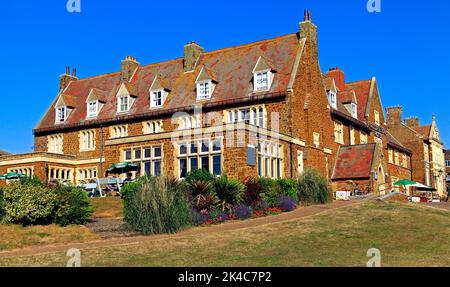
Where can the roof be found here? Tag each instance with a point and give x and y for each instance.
(232, 69)
(354, 162)
(362, 91)
(395, 143)
(3, 153)
(347, 96)
(423, 130)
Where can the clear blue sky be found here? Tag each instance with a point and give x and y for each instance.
(406, 46)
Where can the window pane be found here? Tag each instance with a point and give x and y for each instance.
(183, 149)
(217, 165)
(205, 163)
(157, 151)
(194, 148)
(194, 163)
(137, 154)
(217, 145)
(157, 166)
(183, 168)
(205, 146)
(128, 154)
(147, 153)
(147, 168)
(259, 166)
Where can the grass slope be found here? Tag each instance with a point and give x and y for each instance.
(406, 235)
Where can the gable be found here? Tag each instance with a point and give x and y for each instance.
(262, 65)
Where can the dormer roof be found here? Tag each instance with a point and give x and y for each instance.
(97, 95)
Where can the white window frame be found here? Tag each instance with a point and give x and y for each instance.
(258, 83)
(201, 91)
(354, 108)
(270, 160)
(332, 99)
(120, 131)
(92, 114)
(87, 140)
(153, 127)
(153, 98)
(120, 104)
(199, 154)
(61, 117)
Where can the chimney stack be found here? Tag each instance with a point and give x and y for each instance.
(412, 122)
(394, 115)
(308, 30)
(192, 52)
(129, 67)
(339, 77)
(66, 78)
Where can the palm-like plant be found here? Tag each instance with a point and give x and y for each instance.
(228, 191)
(202, 195)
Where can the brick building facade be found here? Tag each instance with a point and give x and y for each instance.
(259, 109)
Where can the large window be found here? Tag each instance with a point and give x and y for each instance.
(363, 138)
(55, 143)
(270, 159)
(201, 154)
(447, 163)
(87, 140)
(148, 158)
(332, 99)
(250, 115)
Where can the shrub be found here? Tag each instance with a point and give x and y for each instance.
(28, 204)
(73, 206)
(260, 208)
(270, 191)
(288, 187)
(203, 197)
(31, 181)
(314, 188)
(252, 192)
(157, 205)
(199, 175)
(200, 217)
(2, 205)
(228, 191)
(242, 211)
(286, 203)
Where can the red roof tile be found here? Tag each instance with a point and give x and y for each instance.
(362, 91)
(423, 130)
(354, 162)
(232, 69)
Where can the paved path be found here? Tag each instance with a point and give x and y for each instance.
(234, 225)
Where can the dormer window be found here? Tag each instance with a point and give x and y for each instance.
(123, 104)
(61, 114)
(92, 109)
(354, 111)
(262, 81)
(332, 99)
(204, 90)
(157, 99)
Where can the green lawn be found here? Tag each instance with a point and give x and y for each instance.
(406, 235)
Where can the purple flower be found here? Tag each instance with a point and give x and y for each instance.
(242, 212)
(286, 203)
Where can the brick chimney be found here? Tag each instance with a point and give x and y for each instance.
(192, 52)
(412, 122)
(66, 78)
(394, 115)
(129, 66)
(308, 30)
(339, 77)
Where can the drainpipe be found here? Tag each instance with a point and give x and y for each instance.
(101, 151)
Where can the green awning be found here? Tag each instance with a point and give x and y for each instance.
(123, 167)
(12, 175)
(405, 182)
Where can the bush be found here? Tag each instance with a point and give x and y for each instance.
(288, 187)
(157, 205)
(73, 206)
(28, 204)
(252, 192)
(270, 191)
(202, 194)
(286, 203)
(200, 217)
(260, 208)
(31, 181)
(314, 188)
(228, 192)
(242, 212)
(199, 175)
(2, 205)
